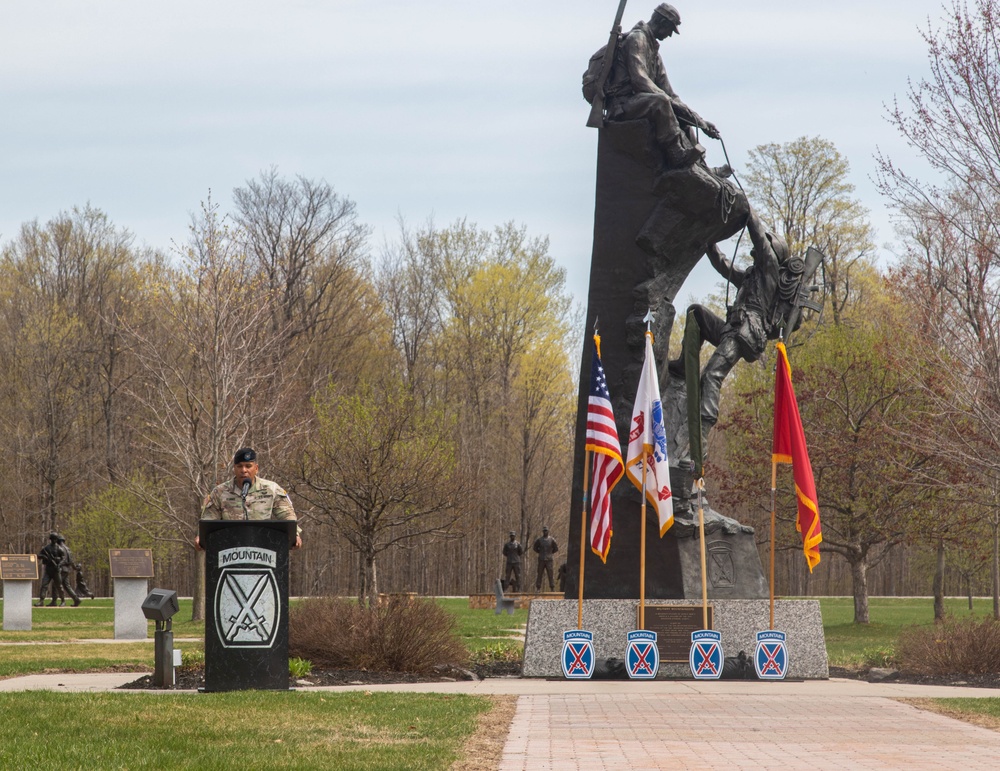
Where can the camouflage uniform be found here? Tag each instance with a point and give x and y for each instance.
(266, 500)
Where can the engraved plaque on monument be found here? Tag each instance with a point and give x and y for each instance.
(131, 563)
(673, 625)
(18, 567)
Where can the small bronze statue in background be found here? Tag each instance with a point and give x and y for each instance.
(545, 547)
(81, 585)
(512, 552)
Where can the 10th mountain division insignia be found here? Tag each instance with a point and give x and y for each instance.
(771, 656)
(642, 658)
(705, 658)
(246, 599)
(578, 654)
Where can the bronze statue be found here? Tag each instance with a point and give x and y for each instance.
(81, 585)
(769, 298)
(637, 88)
(62, 588)
(545, 547)
(56, 559)
(51, 559)
(750, 321)
(512, 552)
(658, 209)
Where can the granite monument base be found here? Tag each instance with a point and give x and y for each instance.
(731, 561)
(737, 620)
(130, 622)
(17, 600)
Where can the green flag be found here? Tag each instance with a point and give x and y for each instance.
(692, 378)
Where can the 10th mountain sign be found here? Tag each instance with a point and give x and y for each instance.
(246, 598)
(246, 593)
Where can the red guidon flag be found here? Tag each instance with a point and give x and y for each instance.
(602, 441)
(790, 447)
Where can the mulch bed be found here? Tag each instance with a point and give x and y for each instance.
(191, 679)
(988, 680)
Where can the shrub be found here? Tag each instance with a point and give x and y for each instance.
(966, 647)
(398, 635)
(299, 667)
(500, 652)
(192, 660)
(880, 656)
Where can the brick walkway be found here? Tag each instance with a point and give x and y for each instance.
(702, 731)
(689, 724)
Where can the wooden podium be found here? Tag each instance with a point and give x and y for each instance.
(246, 602)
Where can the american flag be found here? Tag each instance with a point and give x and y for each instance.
(602, 441)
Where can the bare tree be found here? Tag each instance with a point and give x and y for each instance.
(306, 243)
(952, 226)
(210, 351)
(380, 472)
(803, 189)
(68, 284)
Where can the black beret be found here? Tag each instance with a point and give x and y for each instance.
(244, 455)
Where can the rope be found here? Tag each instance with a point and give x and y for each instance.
(726, 209)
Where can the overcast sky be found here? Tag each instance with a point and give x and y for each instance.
(445, 108)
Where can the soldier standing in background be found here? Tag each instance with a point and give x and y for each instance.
(545, 547)
(512, 552)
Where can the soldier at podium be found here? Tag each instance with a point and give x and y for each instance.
(248, 496)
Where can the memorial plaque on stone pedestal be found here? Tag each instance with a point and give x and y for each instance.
(131, 563)
(673, 625)
(18, 567)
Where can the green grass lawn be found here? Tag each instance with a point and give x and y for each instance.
(302, 729)
(93, 620)
(481, 629)
(235, 730)
(849, 644)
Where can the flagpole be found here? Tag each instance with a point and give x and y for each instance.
(700, 484)
(648, 318)
(583, 536)
(774, 491)
(642, 551)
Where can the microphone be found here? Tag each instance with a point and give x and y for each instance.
(243, 492)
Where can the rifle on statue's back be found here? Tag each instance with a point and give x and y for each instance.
(802, 292)
(596, 119)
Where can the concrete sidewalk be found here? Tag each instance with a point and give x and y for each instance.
(621, 725)
(516, 686)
